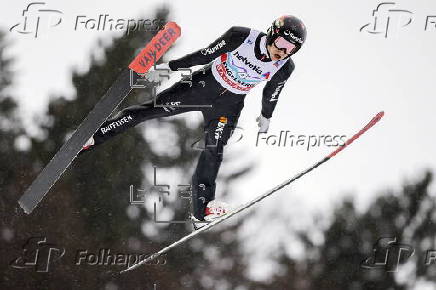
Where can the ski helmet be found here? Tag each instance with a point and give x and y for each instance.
(290, 28)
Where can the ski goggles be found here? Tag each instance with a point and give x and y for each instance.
(281, 43)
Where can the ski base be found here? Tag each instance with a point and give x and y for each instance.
(370, 124)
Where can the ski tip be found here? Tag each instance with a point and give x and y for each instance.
(380, 114)
(377, 117)
(124, 271)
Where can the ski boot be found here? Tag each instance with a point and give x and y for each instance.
(88, 145)
(214, 210)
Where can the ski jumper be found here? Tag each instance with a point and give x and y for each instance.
(235, 63)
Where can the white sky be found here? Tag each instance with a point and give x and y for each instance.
(343, 77)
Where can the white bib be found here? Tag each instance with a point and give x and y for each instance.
(239, 70)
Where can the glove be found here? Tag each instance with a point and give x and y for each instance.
(156, 73)
(263, 124)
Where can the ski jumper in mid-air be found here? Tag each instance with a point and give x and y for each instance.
(234, 63)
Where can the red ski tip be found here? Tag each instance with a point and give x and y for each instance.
(380, 115)
(370, 124)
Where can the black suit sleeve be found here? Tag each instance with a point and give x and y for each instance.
(230, 40)
(274, 86)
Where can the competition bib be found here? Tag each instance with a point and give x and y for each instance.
(239, 70)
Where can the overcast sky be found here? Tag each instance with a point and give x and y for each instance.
(343, 77)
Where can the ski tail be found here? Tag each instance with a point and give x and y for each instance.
(158, 45)
(260, 197)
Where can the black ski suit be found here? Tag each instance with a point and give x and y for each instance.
(219, 120)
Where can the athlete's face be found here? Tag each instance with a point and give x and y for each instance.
(281, 48)
(276, 53)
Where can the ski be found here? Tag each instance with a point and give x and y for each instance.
(153, 51)
(370, 124)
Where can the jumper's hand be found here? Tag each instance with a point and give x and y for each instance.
(157, 72)
(263, 124)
